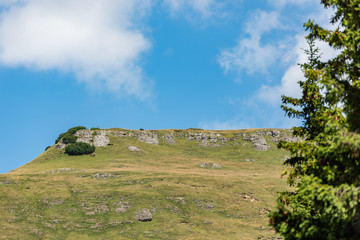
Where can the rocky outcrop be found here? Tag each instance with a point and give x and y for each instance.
(169, 138)
(60, 145)
(97, 138)
(258, 140)
(205, 139)
(148, 137)
(84, 135)
(101, 141)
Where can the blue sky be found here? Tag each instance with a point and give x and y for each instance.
(145, 64)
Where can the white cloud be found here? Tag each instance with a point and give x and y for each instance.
(101, 42)
(249, 54)
(289, 82)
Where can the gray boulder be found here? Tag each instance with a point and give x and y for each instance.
(143, 215)
(134, 149)
(210, 165)
(61, 145)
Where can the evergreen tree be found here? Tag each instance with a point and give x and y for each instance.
(324, 168)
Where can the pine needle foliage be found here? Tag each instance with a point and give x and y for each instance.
(79, 148)
(324, 168)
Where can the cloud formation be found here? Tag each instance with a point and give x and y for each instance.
(250, 55)
(289, 82)
(100, 42)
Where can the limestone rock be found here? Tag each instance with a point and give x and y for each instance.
(169, 138)
(258, 140)
(84, 135)
(143, 215)
(87, 136)
(102, 175)
(134, 149)
(61, 145)
(101, 141)
(120, 210)
(275, 133)
(121, 207)
(148, 137)
(209, 165)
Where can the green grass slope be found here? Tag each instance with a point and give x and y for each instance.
(57, 196)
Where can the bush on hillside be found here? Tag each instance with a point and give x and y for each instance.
(79, 148)
(59, 138)
(71, 131)
(94, 128)
(69, 138)
(75, 129)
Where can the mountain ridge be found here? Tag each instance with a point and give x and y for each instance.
(196, 184)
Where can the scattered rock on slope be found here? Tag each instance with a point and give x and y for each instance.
(134, 149)
(122, 207)
(210, 165)
(143, 215)
(102, 175)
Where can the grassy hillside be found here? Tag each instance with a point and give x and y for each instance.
(57, 196)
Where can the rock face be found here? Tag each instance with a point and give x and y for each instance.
(169, 138)
(148, 137)
(84, 135)
(207, 139)
(143, 215)
(258, 140)
(97, 138)
(101, 141)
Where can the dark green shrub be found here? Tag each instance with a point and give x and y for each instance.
(47, 148)
(79, 148)
(94, 128)
(59, 138)
(75, 129)
(71, 131)
(69, 138)
(141, 129)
